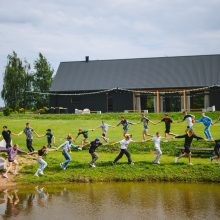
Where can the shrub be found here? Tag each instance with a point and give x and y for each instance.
(6, 111)
(41, 111)
(21, 110)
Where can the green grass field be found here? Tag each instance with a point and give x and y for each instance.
(142, 154)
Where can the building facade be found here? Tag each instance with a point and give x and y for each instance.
(160, 84)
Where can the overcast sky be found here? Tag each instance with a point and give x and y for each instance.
(68, 30)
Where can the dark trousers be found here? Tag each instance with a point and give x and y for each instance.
(216, 149)
(120, 155)
(29, 145)
(8, 144)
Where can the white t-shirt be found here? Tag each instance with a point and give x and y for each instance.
(156, 141)
(104, 127)
(189, 122)
(124, 143)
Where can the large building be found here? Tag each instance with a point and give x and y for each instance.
(160, 84)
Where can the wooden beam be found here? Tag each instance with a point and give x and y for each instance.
(158, 101)
(184, 100)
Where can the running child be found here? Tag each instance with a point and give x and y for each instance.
(145, 121)
(85, 134)
(188, 141)
(42, 163)
(207, 123)
(6, 134)
(28, 131)
(189, 118)
(125, 123)
(12, 153)
(92, 150)
(216, 151)
(50, 137)
(156, 139)
(104, 128)
(66, 148)
(124, 145)
(167, 120)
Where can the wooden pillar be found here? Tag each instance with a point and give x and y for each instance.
(158, 101)
(184, 100)
(134, 102)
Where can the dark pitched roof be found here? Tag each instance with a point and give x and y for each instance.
(150, 73)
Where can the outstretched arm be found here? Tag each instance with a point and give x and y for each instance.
(22, 152)
(152, 122)
(180, 136)
(36, 134)
(118, 142)
(3, 149)
(20, 133)
(60, 146)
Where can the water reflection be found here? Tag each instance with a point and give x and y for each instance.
(112, 201)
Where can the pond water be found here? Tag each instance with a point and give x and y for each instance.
(112, 201)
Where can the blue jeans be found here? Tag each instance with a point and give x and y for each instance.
(67, 157)
(207, 132)
(42, 166)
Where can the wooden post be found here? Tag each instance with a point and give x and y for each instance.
(184, 100)
(158, 101)
(134, 102)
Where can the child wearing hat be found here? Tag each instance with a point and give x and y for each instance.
(49, 136)
(92, 150)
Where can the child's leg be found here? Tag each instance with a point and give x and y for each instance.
(8, 170)
(181, 155)
(16, 167)
(128, 155)
(120, 155)
(43, 164)
(95, 157)
(190, 157)
(67, 157)
(144, 134)
(157, 158)
(206, 133)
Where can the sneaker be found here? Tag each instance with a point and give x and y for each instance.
(79, 148)
(158, 162)
(190, 164)
(61, 165)
(36, 175)
(64, 168)
(5, 176)
(211, 159)
(42, 173)
(176, 159)
(92, 165)
(131, 164)
(216, 162)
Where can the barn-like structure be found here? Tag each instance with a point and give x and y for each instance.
(160, 84)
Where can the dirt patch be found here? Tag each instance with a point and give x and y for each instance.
(11, 181)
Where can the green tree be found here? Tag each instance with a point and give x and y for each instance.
(13, 82)
(42, 80)
(28, 86)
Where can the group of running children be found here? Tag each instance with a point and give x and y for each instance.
(189, 135)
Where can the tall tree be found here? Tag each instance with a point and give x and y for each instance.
(13, 82)
(42, 80)
(28, 85)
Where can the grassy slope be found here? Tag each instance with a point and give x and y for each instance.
(143, 169)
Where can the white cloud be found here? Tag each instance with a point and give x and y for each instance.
(105, 29)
